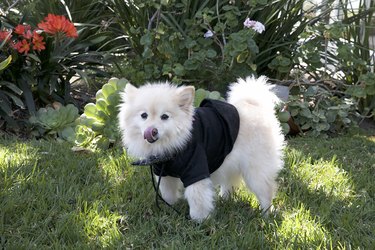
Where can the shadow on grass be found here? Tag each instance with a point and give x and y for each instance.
(51, 196)
(333, 180)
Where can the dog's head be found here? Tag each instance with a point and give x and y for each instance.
(156, 119)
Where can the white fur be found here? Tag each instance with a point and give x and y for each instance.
(256, 157)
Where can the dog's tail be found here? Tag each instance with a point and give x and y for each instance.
(254, 91)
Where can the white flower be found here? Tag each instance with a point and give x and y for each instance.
(208, 34)
(259, 27)
(255, 25)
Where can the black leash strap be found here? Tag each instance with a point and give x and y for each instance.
(150, 161)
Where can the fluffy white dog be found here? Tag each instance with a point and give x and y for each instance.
(217, 144)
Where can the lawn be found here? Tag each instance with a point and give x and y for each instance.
(52, 197)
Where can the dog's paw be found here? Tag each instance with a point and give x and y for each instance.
(199, 214)
(170, 197)
(170, 189)
(200, 197)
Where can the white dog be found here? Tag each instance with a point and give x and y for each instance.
(217, 144)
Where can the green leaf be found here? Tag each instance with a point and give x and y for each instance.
(306, 126)
(5, 63)
(331, 116)
(178, 69)
(190, 43)
(5, 105)
(306, 112)
(242, 57)
(98, 39)
(146, 39)
(113, 82)
(121, 83)
(210, 53)
(90, 110)
(356, 91)
(11, 86)
(34, 57)
(99, 94)
(67, 134)
(200, 94)
(83, 75)
(108, 90)
(101, 104)
(215, 95)
(16, 100)
(191, 64)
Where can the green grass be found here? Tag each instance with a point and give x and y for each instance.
(53, 197)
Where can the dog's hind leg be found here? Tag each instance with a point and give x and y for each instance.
(263, 186)
(170, 188)
(200, 196)
(227, 177)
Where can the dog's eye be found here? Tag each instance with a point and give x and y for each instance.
(144, 116)
(164, 117)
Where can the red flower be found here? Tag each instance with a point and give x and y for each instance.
(54, 24)
(23, 30)
(5, 34)
(22, 46)
(38, 43)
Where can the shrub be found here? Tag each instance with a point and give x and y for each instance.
(337, 53)
(318, 112)
(46, 57)
(9, 93)
(208, 43)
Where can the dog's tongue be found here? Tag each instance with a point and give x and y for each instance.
(151, 134)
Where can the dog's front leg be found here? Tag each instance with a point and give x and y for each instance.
(200, 196)
(170, 188)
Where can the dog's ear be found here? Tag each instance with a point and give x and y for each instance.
(128, 92)
(186, 96)
(129, 89)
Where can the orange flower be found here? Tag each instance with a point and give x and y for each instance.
(38, 43)
(5, 35)
(54, 24)
(23, 30)
(22, 46)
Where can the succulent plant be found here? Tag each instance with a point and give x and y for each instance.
(97, 126)
(284, 116)
(56, 120)
(201, 94)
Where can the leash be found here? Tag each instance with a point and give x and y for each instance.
(151, 161)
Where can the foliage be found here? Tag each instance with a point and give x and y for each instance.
(339, 49)
(207, 42)
(9, 94)
(317, 112)
(201, 94)
(45, 74)
(97, 127)
(56, 120)
(284, 116)
(36, 66)
(364, 92)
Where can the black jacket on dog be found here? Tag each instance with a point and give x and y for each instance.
(215, 129)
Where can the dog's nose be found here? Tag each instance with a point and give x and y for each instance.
(151, 134)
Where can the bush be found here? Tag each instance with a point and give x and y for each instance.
(44, 74)
(206, 43)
